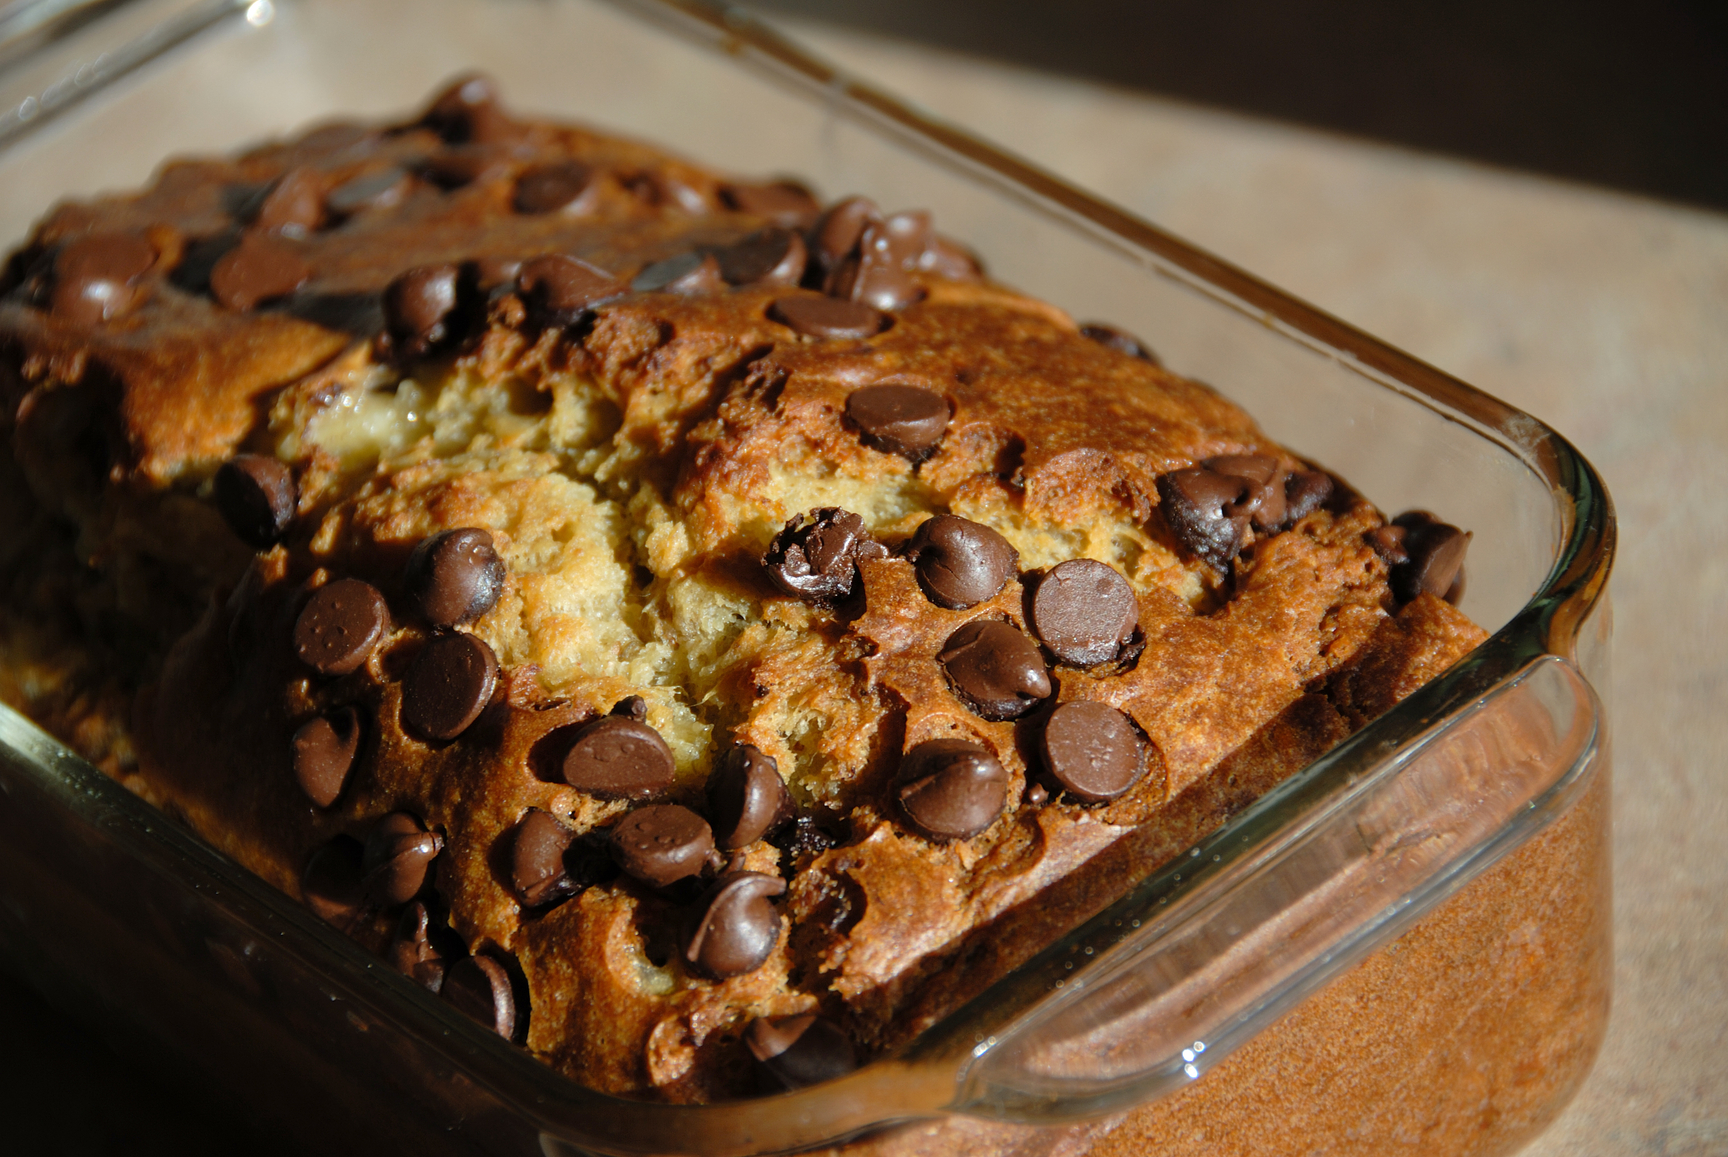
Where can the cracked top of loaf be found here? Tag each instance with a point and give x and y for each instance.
(646, 604)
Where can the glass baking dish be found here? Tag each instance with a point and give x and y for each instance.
(1403, 946)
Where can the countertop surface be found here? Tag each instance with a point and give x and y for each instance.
(1604, 314)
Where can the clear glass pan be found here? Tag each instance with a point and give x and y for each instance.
(109, 906)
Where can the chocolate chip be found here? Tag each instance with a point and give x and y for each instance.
(260, 268)
(616, 756)
(803, 839)
(537, 860)
(662, 843)
(419, 308)
(630, 707)
(827, 317)
(331, 883)
(1305, 492)
(1119, 340)
(468, 110)
(1093, 750)
(1264, 504)
(1388, 543)
(399, 849)
(996, 670)
(411, 949)
(691, 272)
(462, 165)
(557, 186)
(949, 789)
(479, 988)
(879, 273)
(815, 556)
(1084, 611)
(746, 797)
(736, 928)
(383, 189)
(837, 234)
(340, 625)
(770, 257)
(899, 418)
(950, 259)
(454, 576)
(257, 497)
(324, 750)
(800, 1050)
(560, 289)
(95, 276)
(447, 686)
(1194, 503)
(786, 203)
(960, 563)
(294, 205)
(1436, 557)
(493, 271)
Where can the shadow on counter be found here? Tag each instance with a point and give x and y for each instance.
(1630, 96)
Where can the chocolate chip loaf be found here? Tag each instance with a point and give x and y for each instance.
(702, 635)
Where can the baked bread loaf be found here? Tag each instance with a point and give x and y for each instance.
(702, 635)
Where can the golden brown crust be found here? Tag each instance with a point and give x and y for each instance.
(630, 467)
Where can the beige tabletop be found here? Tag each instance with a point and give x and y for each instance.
(1604, 314)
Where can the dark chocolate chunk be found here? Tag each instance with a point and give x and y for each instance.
(420, 308)
(560, 289)
(662, 843)
(950, 259)
(692, 272)
(469, 110)
(617, 756)
(735, 928)
(836, 236)
(786, 203)
(294, 206)
(815, 556)
(1436, 557)
(339, 626)
(899, 418)
(462, 165)
(454, 576)
(324, 750)
(770, 257)
(95, 277)
(380, 189)
(399, 849)
(879, 272)
(1196, 504)
(1264, 475)
(800, 1050)
(557, 186)
(950, 789)
(995, 669)
(537, 868)
(262, 267)
(1304, 493)
(827, 317)
(479, 988)
(1084, 611)
(257, 497)
(1119, 340)
(411, 949)
(1093, 750)
(747, 799)
(960, 563)
(331, 884)
(447, 686)
(1388, 543)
